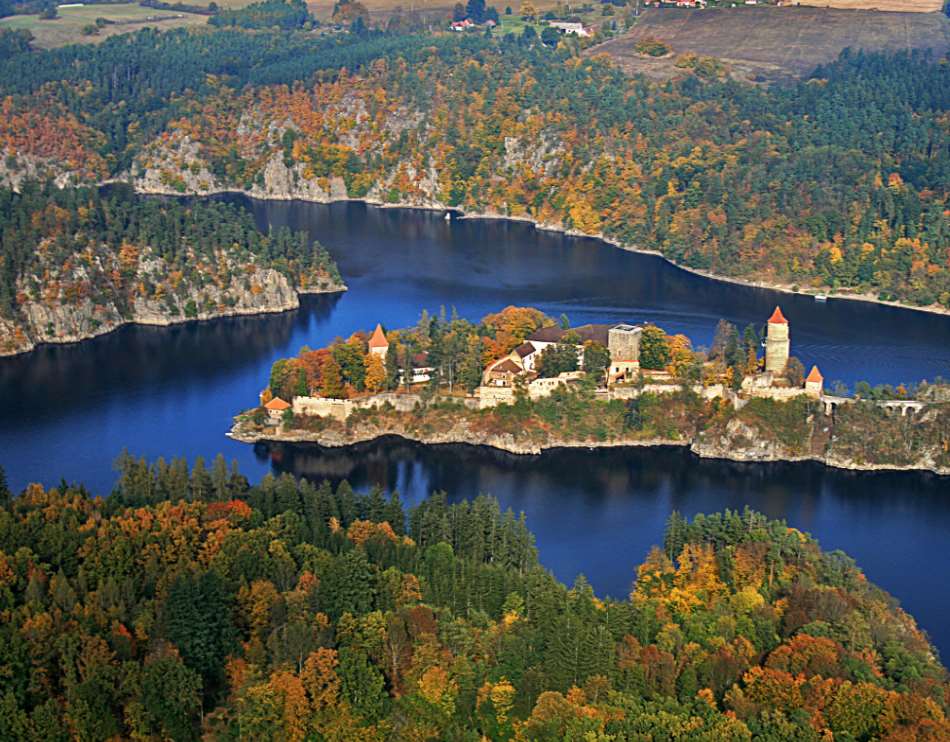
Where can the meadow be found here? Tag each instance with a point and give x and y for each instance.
(68, 27)
(899, 6)
(772, 44)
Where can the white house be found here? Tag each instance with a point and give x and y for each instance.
(569, 28)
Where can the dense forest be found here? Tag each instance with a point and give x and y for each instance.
(190, 603)
(840, 180)
(79, 249)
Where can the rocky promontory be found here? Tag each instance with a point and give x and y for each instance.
(262, 291)
(860, 436)
(83, 262)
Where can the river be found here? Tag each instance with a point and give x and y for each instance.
(67, 411)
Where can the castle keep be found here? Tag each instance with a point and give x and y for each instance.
(777, 343)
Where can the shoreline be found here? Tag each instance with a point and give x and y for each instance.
(460, 214)
(305, 439)
(457, 214)
(145, 322)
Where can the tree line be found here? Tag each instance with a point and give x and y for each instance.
(191, 602)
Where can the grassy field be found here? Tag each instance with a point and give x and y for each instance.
(771, 44)
(68, 27)
(898, 6)
(380, 10)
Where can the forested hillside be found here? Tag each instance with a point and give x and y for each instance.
(75, 263)
(190, 603)
(840, 180)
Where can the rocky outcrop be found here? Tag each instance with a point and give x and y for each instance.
(181, 171)
(828, 443)
(57, 320)
(15, 169)
(461, 432)
(736, 440)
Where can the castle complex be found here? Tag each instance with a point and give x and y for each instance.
(623, 377)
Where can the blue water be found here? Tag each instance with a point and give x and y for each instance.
(67, 411)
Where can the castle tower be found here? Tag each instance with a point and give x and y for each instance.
(623, 342)
(814, 382)
(378, 345)
(776, 343)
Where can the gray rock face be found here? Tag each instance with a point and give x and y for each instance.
(59, 321)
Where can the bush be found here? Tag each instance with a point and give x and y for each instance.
(652, 47)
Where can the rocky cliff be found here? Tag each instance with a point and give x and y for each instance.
(861, 437)
(69, 309)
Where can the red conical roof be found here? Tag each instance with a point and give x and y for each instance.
(814, 375)
(277, 404)
(378, 340)
(777, 317)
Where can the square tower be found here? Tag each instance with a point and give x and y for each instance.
(623, 342)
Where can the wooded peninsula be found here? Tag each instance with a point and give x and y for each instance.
(75, 263)
(190, 604)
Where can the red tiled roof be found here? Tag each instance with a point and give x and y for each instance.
(814, 375)
(277, 404)
(777, 317)
(378, 340)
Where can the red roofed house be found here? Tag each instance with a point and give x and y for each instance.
(378, 345)
(814, 382)
(777, 343)
(502, 372)
(276, 408)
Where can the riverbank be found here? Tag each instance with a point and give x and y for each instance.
(859, 437)
(460, 214)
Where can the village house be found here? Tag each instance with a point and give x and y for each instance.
(421, 368)
(570, 28)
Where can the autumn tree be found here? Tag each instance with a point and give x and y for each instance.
(375, 376)
(654, 348)
(556, 359)
(332, 379)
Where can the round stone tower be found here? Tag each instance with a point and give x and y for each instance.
(776, 343)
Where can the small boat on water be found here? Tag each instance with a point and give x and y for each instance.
(448, 216)
(821, 297)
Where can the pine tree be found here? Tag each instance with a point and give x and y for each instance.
(675, 535)
(6, 497)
